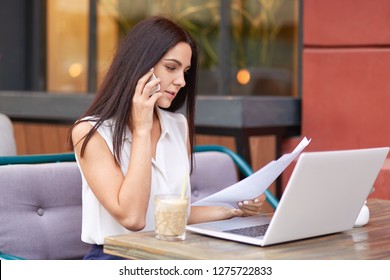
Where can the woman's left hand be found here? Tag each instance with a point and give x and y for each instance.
(252, 207)
(203, 214)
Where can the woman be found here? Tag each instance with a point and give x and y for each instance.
(130, 145)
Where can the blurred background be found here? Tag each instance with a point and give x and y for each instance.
(271, 71)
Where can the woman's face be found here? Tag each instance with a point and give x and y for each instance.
(171, 69)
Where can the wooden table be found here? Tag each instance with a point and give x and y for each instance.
(369, 242)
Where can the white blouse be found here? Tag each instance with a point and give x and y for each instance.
(169, 169)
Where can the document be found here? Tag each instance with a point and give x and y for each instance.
(254, 185)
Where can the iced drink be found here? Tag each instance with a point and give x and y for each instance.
(171, 217)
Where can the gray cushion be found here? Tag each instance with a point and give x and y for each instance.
(40, 211)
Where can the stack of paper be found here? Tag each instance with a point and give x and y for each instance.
(254, 185)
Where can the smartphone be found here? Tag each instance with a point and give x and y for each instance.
(157, 87)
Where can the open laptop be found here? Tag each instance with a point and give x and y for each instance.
(324, 195)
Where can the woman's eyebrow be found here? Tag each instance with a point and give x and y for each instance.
(174, 60)
(177, 62)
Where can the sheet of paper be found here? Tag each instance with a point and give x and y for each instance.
(254, 185)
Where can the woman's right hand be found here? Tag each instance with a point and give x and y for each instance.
(143, 104)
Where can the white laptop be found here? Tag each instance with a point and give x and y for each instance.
(324, 195)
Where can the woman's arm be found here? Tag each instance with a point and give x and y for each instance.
(203, 214)
(124, 197)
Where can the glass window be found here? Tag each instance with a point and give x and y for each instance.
(248, 47)
(108, 34)
(263, 47)
(67, 45)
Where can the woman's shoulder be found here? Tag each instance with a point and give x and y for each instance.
(80, 130)
(108, 123)
(84, 125)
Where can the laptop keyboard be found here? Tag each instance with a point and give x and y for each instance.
(254, 231)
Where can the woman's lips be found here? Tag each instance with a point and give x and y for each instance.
(171, 93)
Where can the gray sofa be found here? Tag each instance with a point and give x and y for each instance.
(40, 204)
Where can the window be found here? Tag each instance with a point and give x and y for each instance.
(247, 47)
(67, 46)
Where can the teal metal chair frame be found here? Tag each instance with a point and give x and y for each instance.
(9, 257)
(38, 158)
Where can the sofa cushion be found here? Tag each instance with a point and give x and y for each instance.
(40, 211)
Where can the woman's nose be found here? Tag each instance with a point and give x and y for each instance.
(180, 81)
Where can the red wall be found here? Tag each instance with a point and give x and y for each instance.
(346, 78)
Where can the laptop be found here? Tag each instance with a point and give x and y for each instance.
(324, 195)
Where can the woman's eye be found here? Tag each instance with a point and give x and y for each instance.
(171, 68)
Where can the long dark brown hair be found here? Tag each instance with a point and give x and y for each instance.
(140, 50)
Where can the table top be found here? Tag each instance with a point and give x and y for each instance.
(369, 242)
